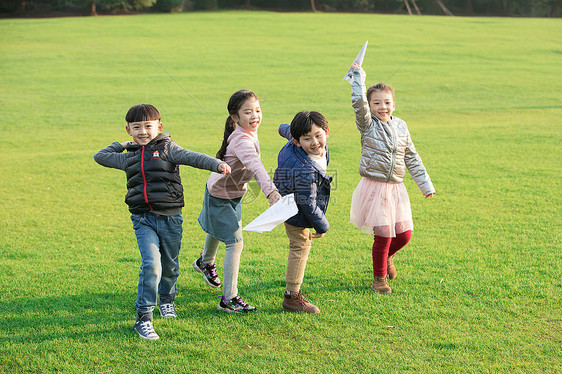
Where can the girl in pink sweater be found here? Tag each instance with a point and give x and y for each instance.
(221, 216)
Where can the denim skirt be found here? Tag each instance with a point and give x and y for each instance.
(222, 218)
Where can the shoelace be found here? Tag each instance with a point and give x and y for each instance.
(300, 298)
(212, 269)
(167, 309)
(239, 301)
(147, 328)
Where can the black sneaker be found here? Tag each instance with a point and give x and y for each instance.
(234, 305)
(143, 326)
(209, 272)
(167, 310)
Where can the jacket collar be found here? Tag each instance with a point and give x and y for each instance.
(377, 120)
(301, 155)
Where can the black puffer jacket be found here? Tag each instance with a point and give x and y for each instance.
(153, 182)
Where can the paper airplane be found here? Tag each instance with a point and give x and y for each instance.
(358, 60)
(276, 214)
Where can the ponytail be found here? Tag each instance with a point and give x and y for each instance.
(229, 127)
(234, 104)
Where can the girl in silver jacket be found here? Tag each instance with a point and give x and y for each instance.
(380, 203)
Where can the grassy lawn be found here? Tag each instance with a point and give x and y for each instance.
(479, 286)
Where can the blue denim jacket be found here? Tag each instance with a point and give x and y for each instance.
(297, 173)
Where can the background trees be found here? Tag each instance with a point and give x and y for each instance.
(533, 8)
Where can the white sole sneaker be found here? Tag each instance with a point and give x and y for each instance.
(198, 269)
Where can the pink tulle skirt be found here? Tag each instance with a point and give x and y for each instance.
(381, 208)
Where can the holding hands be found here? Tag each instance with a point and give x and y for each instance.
(224, 168)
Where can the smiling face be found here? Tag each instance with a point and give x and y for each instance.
(381, 104)
(143, 132)
(249, 115)
(313, 142)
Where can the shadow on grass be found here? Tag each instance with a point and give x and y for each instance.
(66, 317)
(103, 315)
(92, 315)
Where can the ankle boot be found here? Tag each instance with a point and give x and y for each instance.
(390, 269)
(296, 302)
(381, 285)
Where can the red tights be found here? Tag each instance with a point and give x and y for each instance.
(385, 247)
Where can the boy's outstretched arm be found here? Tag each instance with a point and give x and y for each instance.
(112, 156)
(182, 156)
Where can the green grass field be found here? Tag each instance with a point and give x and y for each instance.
(478, 288)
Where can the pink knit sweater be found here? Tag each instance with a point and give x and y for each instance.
(243, 156)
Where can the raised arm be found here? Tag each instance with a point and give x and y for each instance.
(359, 99)
(285, 131)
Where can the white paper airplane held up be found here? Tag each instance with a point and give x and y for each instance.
(358, 60)
(276, 214)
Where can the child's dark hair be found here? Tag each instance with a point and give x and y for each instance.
(303, 121)
(142, 112)
(234, 104)
(379, 87)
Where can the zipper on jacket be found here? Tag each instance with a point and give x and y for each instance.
(393, 160)
(392, 163)
(144, 182)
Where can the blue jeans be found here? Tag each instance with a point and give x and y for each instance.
(159, 240)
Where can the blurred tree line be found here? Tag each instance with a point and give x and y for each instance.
(530, 8)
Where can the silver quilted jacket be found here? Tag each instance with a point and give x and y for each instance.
(387, 149)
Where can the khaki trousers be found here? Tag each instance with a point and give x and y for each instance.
(300, 241)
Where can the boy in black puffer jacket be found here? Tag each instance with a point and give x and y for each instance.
(155, 199)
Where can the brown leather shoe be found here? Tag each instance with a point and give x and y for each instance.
(297, 303)
(381, 285)
(390, 269)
